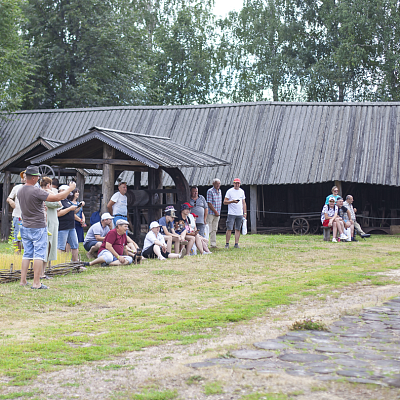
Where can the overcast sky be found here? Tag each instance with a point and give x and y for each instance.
(222, 7)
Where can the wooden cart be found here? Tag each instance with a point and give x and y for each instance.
(304, 223)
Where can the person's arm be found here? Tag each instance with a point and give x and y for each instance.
(99, 238)
(227, 201)
(11, 202)
(64, 211)
(349, 214)
(78, 208)
(110, 248)
(110, 206)
(63, 195)
(244, 208)
(205, 211)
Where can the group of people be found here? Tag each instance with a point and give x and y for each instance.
(341, 217)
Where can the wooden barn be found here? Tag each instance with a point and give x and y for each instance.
(288, 155)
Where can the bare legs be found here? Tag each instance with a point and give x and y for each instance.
(237, 236)
(37, 270)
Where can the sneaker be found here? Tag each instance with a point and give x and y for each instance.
(236, 246)
(86, 264)
(207, 252)
(334, 240)
(182, 253)
(343, 236)
(348, 239)
(227, 246)
(365, 235)
(353, 239)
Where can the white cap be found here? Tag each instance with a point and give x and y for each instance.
(106, 216)
(63, 187)
(121, 222)
(154, 224)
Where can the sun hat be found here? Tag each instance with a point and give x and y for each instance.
(63, 187)
(121, 222)
(106, 216)
(32, 170)
(169, 208)
(154, 224)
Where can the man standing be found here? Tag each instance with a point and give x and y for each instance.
(118, 205)
(34, 227)
(96, 234)
(214, 201)
(113, 249)
(349, 204)
(13, 201)
(237, 210)
(200, 208)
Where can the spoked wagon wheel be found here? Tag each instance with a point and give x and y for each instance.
(300, 226)
(314, 228)
(46, 170)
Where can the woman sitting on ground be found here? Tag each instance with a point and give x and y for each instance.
(329, 217)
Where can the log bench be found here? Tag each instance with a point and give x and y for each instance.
(327, 233)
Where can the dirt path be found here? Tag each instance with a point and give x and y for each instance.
(163, 367)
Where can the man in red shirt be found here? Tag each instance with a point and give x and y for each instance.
(112, 250)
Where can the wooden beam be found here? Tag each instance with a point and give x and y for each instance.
(95, 161)
(80, 184)
(5, 226)
(108, 176)
(339, 186)
(253, 208)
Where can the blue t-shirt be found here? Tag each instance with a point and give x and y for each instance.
(335, 196)
(163, 222)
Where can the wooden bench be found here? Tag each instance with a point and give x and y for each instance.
(327, 233)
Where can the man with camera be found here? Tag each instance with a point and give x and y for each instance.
(237, 210)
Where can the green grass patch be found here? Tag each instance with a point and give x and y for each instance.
(265, 396)
(104, 312)
(211, 388)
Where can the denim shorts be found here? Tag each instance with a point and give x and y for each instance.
(88, 245)
(109, 257)
(237, 219)
(67, 236)
(34, 241)
(17, 222)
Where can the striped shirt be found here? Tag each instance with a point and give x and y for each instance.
(214, 197)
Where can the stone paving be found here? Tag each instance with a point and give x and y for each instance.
(362, 349)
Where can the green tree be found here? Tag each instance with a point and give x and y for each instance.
(86, 52)
(185, 65)
(13, 65)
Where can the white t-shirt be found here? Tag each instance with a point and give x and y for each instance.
(121, 204)
(14, 196)
(151, 238)
(235, 194)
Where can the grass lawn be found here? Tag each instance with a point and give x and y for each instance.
(104, 312)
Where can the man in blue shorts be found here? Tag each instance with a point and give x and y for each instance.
(34, 227)
(96, 234)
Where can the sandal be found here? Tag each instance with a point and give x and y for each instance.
(41, 287)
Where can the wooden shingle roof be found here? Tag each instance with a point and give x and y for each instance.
(265, 142)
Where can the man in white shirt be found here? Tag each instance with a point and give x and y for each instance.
(349, 204)
(13, 201)
(155, 246)
(96, 234)
(118, 204)
(237, 210)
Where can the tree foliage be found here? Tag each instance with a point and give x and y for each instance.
(13, 65)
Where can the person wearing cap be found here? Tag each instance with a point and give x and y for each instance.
(34, 227)
(167, 230)
(113, 249)
(235, 199)
(330, 218)
(13, 201)
(66, 228)
(155, 246)
(96, 234)
(199, 207)
(183, 229)
(214, 200)
(118, 204)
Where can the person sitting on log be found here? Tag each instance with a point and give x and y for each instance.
(345, 214)
(96, 234)
(329, 217)
(155, 246)
(168, 231)
(113, 249)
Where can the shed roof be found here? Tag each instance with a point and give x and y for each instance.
(152, 151)
(265, 142)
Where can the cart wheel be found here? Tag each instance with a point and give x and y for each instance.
(46, 170)
(300, 226)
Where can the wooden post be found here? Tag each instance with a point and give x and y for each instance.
(108, 177)
(253, 208)
(136, 220)
(151, 178)
(159, 185)
(137, 179)
(80, 184)
(5, 226)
